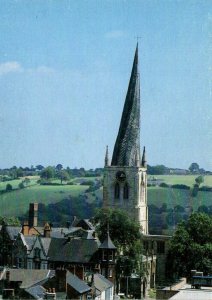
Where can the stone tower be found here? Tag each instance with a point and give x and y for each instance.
(125, 179)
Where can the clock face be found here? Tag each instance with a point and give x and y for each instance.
(120, 175)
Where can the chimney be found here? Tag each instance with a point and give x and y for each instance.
(33, 214)
(25, 228)
(47, 230)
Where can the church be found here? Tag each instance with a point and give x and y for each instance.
(125, 179)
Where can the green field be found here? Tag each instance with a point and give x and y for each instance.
(182, 179)
(15, 182)
(173, 197)
(16, 203)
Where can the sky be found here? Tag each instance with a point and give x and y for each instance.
(64, 72)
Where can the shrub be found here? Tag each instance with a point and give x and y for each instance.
(21, 185)
(163, 184)
(9, 187)
(180, 186)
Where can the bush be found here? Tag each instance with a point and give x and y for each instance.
(21, 185)
(9, 187)
(70, 183)
(163, 184)
(50, 183)
(180, 186)
(205, 188)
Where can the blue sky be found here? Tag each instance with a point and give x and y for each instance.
(64, 71)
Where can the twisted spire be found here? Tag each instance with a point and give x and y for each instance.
(127, 144)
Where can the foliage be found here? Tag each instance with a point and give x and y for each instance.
(21, 185)
(47, 173)
(194, 168)
(180, 186)
(12, 221)
(9, 187)
(199, 179)
(125, 234)
(63, 175)
(157, 170)
(191, 246)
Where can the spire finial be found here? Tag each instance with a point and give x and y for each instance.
(106, 157)
(144, 162)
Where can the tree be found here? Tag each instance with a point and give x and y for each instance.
(9, 187)
(63, 174)
(125, 233)
(191, 246)
(59, 167)
(194, 168)
(21, 185)
(47, 173)
(199, 179)
(39, 167)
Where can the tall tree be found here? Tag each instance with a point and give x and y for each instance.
(191, 246)
(125, 233)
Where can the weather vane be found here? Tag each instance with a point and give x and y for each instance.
(137, 38)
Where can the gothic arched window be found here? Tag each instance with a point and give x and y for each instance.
(117, 191)
(126, 191)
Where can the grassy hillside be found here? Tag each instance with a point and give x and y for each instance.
(173, 197)
(182, 179)
(16, 203)
(68, 198)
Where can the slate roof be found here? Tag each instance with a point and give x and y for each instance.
(13, 231)
(46, 244)
(28, 240)
(107, 244)
(101, 283)
(127, 144)
(37, 291)
(80, 286)
(29, 277)
(72, 250)
(84, 223)
(60, 232)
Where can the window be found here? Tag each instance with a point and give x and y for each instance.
(110, 256)
(104, 255)
(110, 273)
(160, 247)
(126, 191)
(117, 191)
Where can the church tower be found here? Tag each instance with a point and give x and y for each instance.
(125, 179)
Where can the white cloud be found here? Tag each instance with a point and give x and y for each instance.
(15, 67)
(10, 67)
(115, 34)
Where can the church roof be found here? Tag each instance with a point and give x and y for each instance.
(107, 244)
(128, 139)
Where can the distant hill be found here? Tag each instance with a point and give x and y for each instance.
(169, 201)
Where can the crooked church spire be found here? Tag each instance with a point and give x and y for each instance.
(127, 144)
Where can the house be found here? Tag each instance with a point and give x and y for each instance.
(26, 284)
(103, 288)
(76, 288)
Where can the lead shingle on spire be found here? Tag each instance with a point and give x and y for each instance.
(128, 139)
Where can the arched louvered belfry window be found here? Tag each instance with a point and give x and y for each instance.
(126, 191)
(117, 191)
